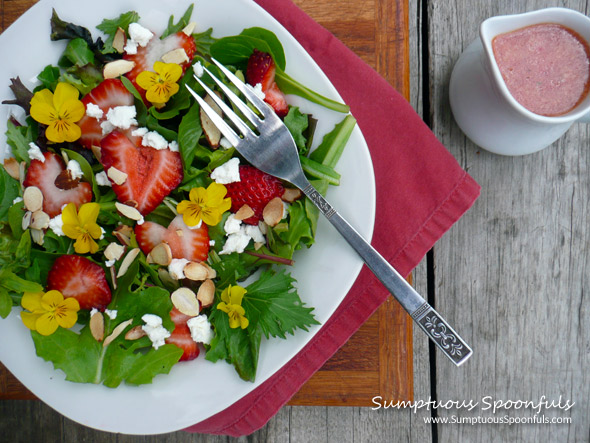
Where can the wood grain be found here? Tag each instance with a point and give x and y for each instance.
(377, 360)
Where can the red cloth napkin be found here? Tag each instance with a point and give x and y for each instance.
(421, 192)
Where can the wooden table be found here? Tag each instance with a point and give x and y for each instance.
(513, 273)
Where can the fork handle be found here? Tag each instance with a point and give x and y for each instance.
(431, 322)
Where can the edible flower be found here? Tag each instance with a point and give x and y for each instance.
(232, 304)
(48, 311)
(59, 110)
(207, 205)
(81, 226)
(160, 85)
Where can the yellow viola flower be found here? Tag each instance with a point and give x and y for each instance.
(59, 110)
(81, 226)
(48, 311)
(232, 304)
(162, 84)
(207, 205)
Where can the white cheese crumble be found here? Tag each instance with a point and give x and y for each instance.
(139, 34)
(198, 69)
(109, 263)
(75, 169)
(107, 127)
(258, 91)
(154, 140)
(102, 179)
(56, 224)
(102, 233)
(93, 110)
(232, 225)
(224, 143)
(229, 172)
(235, 243)
(200, 328)
(111, 313)
(93, 311)
(239, 235)
(17, 200)
(154, 330)
(211, 243)
(255, 233)
(176, 268)
(173, 146)
(35, 153)
(122, 116)
(139, 132)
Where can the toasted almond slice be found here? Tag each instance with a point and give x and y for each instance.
(12, 167)
(273, 212)
(258, 245)
(117, 68)
(177, 56)
(40, 220)
(291, 194)
(263, 227)
(188, 29)
(206, 293)
(119, 40)
(129, 211)
(135, 333)
(96, 151)
(123, 234)
(179, 233)
(119, 177)
(211, 132)
(97, 326)
(27, 220)
(185, 300)
(116, 332)
(33, 198)
(132, 203)
(38, 236)
(161, 254)
(113, 277)
(244, 212)
(196, 271)
(211, 273)
(114, 251)
(131, 255)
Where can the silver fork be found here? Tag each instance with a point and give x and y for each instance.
(272, 149)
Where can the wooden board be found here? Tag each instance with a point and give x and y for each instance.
(377, 360)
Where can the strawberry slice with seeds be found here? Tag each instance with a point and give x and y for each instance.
(255, 189)
(151, 173)
(108, 94)
(146, 56)
(47, 176)
(78, 277)
(261, 69)
(190, 244)
(181, 336)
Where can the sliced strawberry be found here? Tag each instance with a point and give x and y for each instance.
(190, 244)
(261, 69)
(44, 174)
(155, 49)
(78, 277)
(255, 189)
(181, 336)
(108, 94)
(151, 174)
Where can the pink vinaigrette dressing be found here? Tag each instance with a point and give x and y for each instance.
(546, 67)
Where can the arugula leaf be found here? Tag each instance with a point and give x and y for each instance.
(110, 26)
(274, 44)
(9, 190)
(297, 123)
(204, 41)
(182, 23)
(140, 106)
(22, 95)
(77, 53)
(49, 77)
(317, 170)
(236, 49)
(330, 149)
(5, 303)
(18, 138)
(273, 303)
(189, 133)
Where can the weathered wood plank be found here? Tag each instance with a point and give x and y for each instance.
(513, 273)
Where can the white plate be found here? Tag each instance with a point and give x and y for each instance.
(195, 390)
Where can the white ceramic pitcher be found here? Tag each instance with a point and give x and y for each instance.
(483, 107)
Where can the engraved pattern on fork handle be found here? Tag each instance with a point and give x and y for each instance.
(430, 321)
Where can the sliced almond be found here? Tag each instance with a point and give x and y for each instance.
(123, 234)
(291, 194)
(161, 254)
(117, 68)
(132, 203)
(179, 233)
(116, 332)
(118, 177)
(27, 220)
(114, 251)
(135, 333)
(263, 227)
(258, 245)
(211, 273)
(12, 167)
(188, 29)
(129, 211)
(97, 326)
(127, 261)
(38, 236)
(119, 40)
(244, 212)
(211, 132)
(273, 212)
(96, 151)
(40, 220)
(177, 56)
(113, 277)
(195, 271)
(185, 300)
(33, 198)
(206, 293)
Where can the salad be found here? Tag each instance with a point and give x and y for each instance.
(132, 234)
